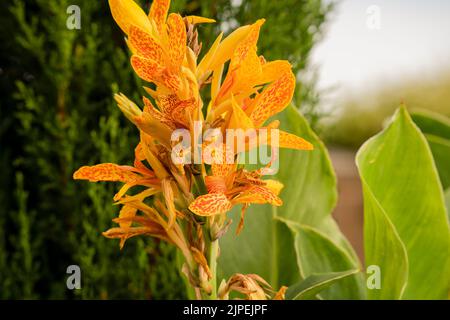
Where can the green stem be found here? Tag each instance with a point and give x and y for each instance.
(213, 252)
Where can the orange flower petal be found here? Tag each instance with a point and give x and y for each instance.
(145, 45)
(146, 69)
(273, 99)
(158, 13)
(247, 45)
(106, 172)
(198, 20)
(215, 184)
(272, 70)
(177, 40)
(127, 13)
(258, 195)
(127, 213)
(291, 141)
(210, 204)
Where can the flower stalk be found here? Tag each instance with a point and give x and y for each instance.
(175, 200)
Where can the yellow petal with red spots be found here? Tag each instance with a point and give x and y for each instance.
(258, 195)
(146, 69)
(247, 45)
(144, 45)
(273, 99)
(228, 45)
(127, 13)
(106, 172)
(215, 184)
(291, 141)
(271, 71)
(158, 13)
(176, 31)
(274, 185)
(210, 204)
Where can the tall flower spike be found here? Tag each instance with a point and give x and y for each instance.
(162, 199)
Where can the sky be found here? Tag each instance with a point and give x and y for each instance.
(369, 43)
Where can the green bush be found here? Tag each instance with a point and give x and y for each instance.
(57, 113)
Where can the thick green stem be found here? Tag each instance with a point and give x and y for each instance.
(212, 260)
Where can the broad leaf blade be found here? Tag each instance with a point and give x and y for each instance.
(400, 179)
(317, 253)
(266, 245)
(315, 283)
(436, 129)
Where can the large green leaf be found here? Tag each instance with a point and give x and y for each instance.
(317, 253)
(404, 204)
(440, 148)
(383, 248)
(432, 123)
(447, 202)
(266, 244)
(436, 128)
(309, 288)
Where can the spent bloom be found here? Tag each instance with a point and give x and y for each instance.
(187, 204)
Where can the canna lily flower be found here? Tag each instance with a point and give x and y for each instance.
(186, 204)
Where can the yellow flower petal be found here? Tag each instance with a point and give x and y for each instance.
(198, 20)
(127, 13)
(106, 172)
(210, 204)
(127, 213)
(258, 195)
(228, 45)
(176, 31)
(158, 13)
(239, 119)
(144, 45)
(273, 99)
(203, 68)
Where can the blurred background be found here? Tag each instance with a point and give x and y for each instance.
(356, 61)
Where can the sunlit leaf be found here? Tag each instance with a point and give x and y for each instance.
(404, 205)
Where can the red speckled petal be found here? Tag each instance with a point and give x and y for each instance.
(210, 204)
(273, 99)
(176, 30)
(291, 141)
(146, 69)
(106, 172)
(145, 45)
(258, 195)
(158, 13)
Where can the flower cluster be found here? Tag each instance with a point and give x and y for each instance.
(187, 204)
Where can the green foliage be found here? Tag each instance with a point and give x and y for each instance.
(406, 226)
(311, 286)
(362, 114)
(275, 242)
(436, 129)
(57, 114)
(63, 116)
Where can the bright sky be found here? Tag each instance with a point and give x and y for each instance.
(413, 39)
